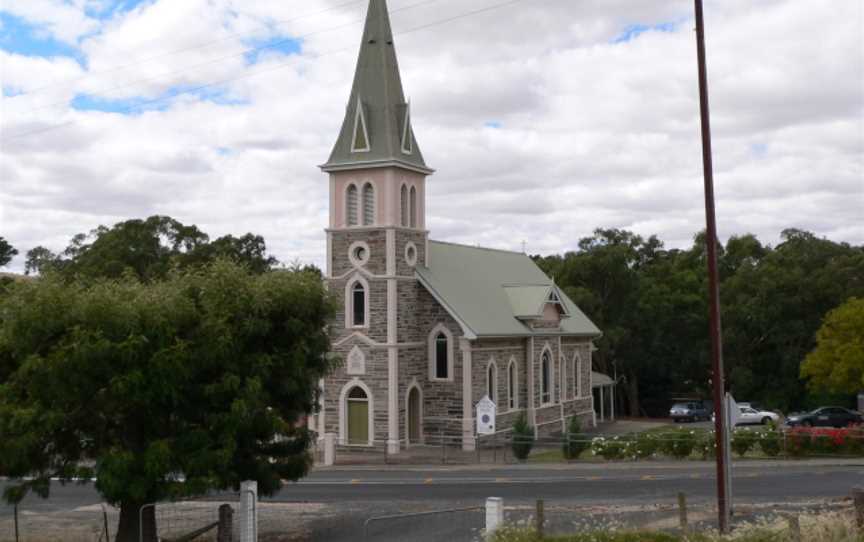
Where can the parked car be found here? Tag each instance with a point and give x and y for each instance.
(691, 411)
(749, 415)
(825, 417)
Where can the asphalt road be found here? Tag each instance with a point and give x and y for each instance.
(752, 482)
(352, 495)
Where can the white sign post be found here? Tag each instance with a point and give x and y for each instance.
(733, 414)
(486, 416)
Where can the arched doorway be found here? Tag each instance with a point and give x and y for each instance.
(358, 416)
(414, 416)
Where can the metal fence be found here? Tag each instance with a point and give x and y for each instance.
(683, 444)
(43, 521)
(447, 525)
(213, 519)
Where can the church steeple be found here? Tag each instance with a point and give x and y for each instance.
(377, 129)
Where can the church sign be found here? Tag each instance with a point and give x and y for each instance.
(486, 416)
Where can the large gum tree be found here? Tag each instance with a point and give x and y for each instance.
(160, 389)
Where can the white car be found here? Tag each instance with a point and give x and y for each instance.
(749, 415)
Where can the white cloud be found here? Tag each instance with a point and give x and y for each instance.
(63, 20)
(592, 134)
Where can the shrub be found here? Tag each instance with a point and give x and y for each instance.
(679, 443)
(706, 446)
(574, 441)
(645, 445)
(743, 441)
(611, 449)
(770, 442)
(798, 442)
(523, 438)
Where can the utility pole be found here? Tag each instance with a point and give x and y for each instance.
(713, 281)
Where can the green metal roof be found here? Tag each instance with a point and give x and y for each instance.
(488, 290)
(377, 93)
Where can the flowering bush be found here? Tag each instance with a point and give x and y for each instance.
(611, 448)
(645, 445)
(706, 446)
(679, 443)
(743, 440)
(824, 441)
(770, 442)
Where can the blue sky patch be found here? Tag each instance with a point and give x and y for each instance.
(493, 124)
(23, 38)
(133, 106)
(633, 31)
(759, 149)
(118, 6)
(285, 45)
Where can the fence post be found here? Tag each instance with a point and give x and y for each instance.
(329, 449)
(248, 519)
(15, 511)
(226, 523)
(858, 499)
(105, 520)
(794, 528)
(682, 511)
(541, 518)
(494, 515)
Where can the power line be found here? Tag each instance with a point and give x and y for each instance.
(215, 60)
(274, 67)
(228, 37)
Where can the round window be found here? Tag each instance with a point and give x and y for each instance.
(411, 254)
(358, 253)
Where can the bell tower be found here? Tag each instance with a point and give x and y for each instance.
(377, 229)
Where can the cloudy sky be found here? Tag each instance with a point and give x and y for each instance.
(545, 119)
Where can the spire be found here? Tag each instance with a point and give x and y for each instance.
(377, 127)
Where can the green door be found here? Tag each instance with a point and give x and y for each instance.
(358, 421)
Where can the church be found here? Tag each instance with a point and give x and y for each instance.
(428, 328)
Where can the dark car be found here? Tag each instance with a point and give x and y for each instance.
(692, 411)
(825, 417)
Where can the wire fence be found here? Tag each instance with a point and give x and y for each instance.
(37, 520)
(676, 444)
(209, 519)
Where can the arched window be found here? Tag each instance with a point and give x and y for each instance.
(577, 378)
(351, 205)
(512, 386)
(492, 382)
(358, 305)
(368, 204)
(441, 355)
(404, 206)
(546, 378)
(440, 341)
(413, 207)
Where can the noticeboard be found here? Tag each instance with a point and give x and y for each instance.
(485, 416)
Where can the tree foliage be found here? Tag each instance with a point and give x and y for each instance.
(652, 305)
(7, 252)
(149, 248)
(204, 375)
(837, 362)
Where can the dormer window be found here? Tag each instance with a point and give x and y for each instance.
(360, 139)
